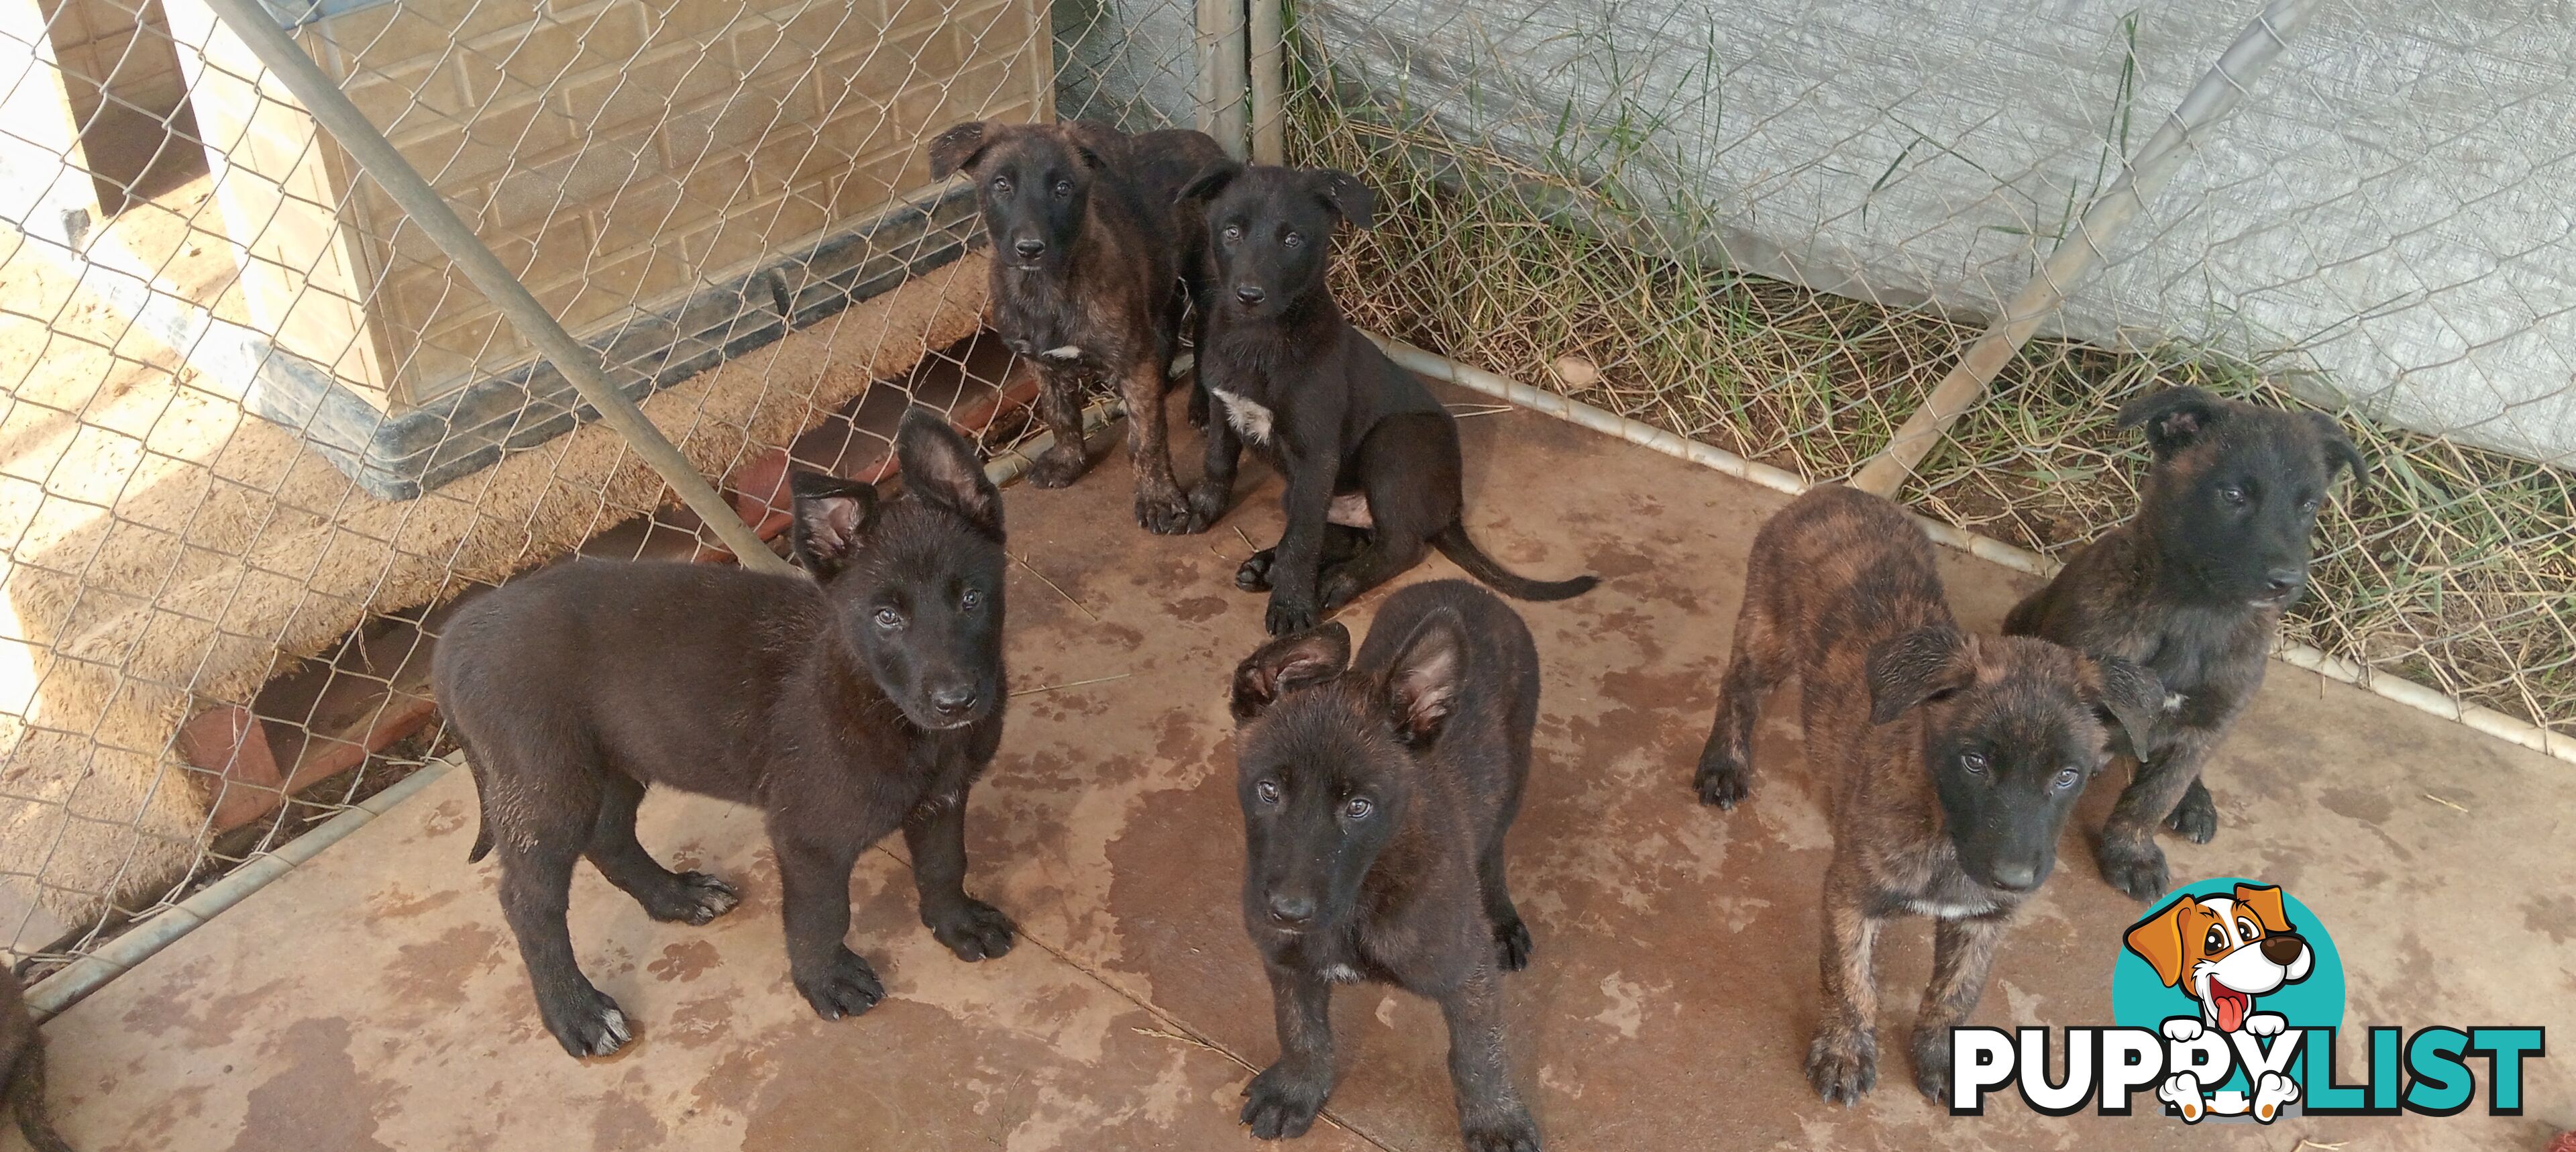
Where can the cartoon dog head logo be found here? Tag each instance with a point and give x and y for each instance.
(2223, 951)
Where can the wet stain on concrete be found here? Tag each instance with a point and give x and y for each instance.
(685, 962)
(316, 1099)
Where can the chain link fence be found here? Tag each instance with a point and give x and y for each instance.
(1774, 228)
(261, 435)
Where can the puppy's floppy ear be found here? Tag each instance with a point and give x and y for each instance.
(1286, 663)
(1345, 194)
(2264, 900)
(958, 147)
(1921, 665)
(2339, 450)
(1210, 181)
(2158, 939)
(940, 467)
(828, 513)
(2127, 694)
(1422, 685)
(2174, 417)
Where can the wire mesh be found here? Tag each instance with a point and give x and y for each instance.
(1773, 229)
(259, 436)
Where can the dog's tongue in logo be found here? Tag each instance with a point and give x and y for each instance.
(2229, 1005)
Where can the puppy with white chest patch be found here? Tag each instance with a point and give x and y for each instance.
(2223, 951)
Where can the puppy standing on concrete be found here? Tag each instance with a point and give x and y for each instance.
(1955, 759)
(1370, 458)
(1375, 798)
(2193, 587)
(842, 707)
(1087, 277)
(22, 1067)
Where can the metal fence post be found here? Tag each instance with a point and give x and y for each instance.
(1222, 79)
(1269, 66)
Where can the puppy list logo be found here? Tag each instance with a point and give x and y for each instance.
(2227, 999)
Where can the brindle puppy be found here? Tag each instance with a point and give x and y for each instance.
(1954, 759)
(1088, 257)
(22, 1067)
(2193, 588)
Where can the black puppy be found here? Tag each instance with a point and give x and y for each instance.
(1953, 760)
(1370, 458)
(1089, 253)
(1374, 805)
(2193, 587)
(843, 706)
(22, 1067)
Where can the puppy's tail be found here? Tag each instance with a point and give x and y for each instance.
(25, 1094)
(1453, 543)
(482, 818)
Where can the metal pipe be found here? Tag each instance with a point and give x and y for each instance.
(65, 988)
(1269, 68)
(2218, 94)
(251, 21)
(2403, 691)
(1221, 80)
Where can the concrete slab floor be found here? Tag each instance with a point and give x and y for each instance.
(373, 999)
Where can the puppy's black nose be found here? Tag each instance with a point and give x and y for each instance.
(2283, 581)
(2283, 948)
(1031, 249)
(953, 701)
(1292, 910)
(2016, 877)
(1250, 294)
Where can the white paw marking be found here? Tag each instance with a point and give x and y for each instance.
(1248, 418)
(2265, 1024)
(2182, 1090)
(2182, 1029)
(1341, 974)
(2271, 1093)
(1068, 352)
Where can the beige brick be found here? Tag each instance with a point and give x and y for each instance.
(698, 22)
(638, 214)
(392, 97)
(665, 78)
(545, 56)
(385, 37)
(880, 71)
(495, 140)
(736, 124)
(868, 186)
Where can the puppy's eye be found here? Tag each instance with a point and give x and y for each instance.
(2215, 942)
(1233, 233)
(2233, 494)
(1974, 762)
(1268, 790)
(1002, 185)
(889, 619)
(1063, 189)
(1357, 808)
(2308, 505)
(2248, 929)
(2066, 778)
(971, 601)
(1292, 240)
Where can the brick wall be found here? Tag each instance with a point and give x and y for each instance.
(617, 153)
(122, 46)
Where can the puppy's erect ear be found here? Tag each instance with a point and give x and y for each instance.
(1287, 663)
(2128, 695)
(1921, 665)
(2174, 417)
(957, 148)
(940, 467)
(1344, 193)
(2339, 450)
(1422, 686)
(1210, 181)
(2264, 901)
(828, 513)
(2158, 939)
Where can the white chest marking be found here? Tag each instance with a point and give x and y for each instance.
(1942, 911)
(1068, 352)
(2173, 703)
(1339, 973)
(1248, 418)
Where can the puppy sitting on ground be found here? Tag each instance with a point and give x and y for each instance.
(1087, 277)
(22, 1067)
(1375, 798)
(1955, 759)
(843, 706)
(1370, 458)
(2193, 587)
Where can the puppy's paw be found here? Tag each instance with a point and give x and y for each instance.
(1208, 503)
(1843, 1066)
(1254, 575)
(1931, 1052)
(847, 986)
(2181, 1029)
(1722, 780)
(1512, 1132)
(590, 1025)
(2182, 1091)
(2196, 817)
(1281, 1103)
(973, 930)
(2136, 869)
(2265, 1024)
(1291, 615)
(1166, 514)
(1512, 944)
(2271, 1093)
(1059, 466)
(695, 899)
